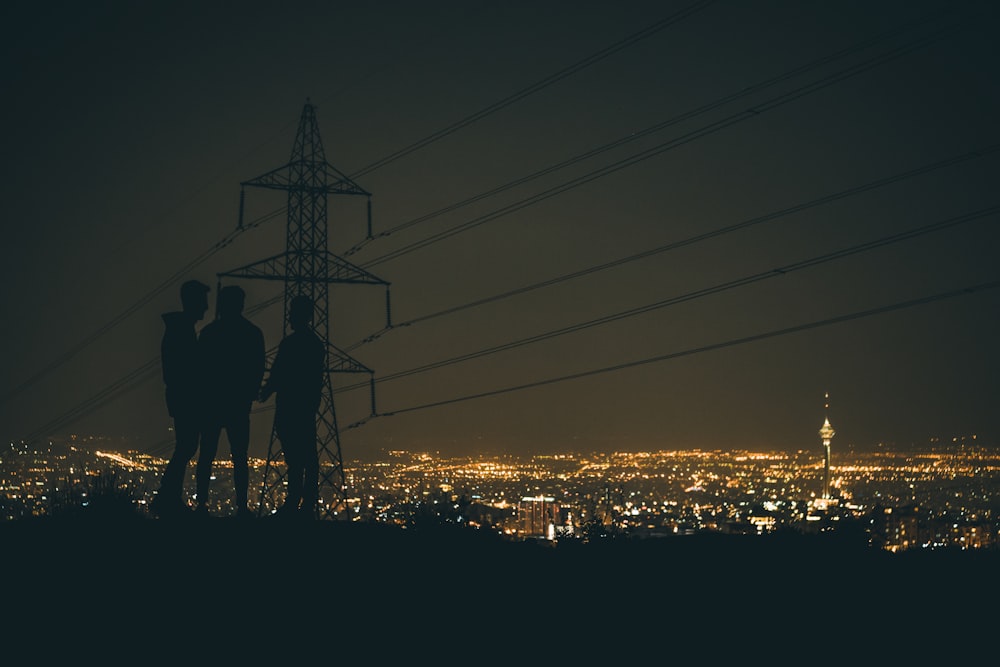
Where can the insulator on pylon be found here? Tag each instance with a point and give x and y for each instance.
(369, 217)
(239, 222)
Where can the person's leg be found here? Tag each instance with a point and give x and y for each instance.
(185, 446)
(310, 490)
(238, 432)
(209, 448)
(293, 493)
(293, 467)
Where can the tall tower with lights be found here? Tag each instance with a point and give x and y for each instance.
(307, 267)
(826, 432)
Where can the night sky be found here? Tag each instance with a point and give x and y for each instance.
(781, 177)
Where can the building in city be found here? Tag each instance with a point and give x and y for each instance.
(538, 517)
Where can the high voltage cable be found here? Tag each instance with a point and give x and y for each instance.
(697, 294)
(133, 379)
(177, 275)
(538, 85)
(697, 350)
(752, 112)
(654, 128)
(634, 136)
(673, 245)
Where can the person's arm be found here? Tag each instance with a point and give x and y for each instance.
(319, 372)
(255, 366)
(271, 383)
(260, 359)
(167, 365)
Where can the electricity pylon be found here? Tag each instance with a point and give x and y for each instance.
(307, 267)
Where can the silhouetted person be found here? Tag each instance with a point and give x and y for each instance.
(232, 350)
(182, 376)
(297, 378)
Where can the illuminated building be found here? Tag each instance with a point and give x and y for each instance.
(538, 517)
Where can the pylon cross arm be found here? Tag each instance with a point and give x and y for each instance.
(341, 362)
(337, 270)
(314, 178)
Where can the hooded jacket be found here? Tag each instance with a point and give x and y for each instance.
(181, 366)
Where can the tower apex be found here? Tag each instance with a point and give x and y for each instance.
(827, 431)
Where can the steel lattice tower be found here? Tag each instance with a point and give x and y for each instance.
(308, 268)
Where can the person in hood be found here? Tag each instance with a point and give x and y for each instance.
(183, 379)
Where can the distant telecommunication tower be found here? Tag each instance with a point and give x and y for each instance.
(308, 268)
(826, 433)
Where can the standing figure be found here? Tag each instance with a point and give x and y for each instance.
(297, 378)
(232, 348)
(182, 376)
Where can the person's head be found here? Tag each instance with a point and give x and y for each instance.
(231, 300)
(300, 312)
(194, 298)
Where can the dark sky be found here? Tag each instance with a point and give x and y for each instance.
(128, 128)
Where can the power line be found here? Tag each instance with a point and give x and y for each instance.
(636, 158)
(538, 85)
(108, 394)
(674, 245)
(634, 136)
(697, 294)
(697, 350)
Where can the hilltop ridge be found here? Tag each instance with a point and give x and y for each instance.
(378, 591)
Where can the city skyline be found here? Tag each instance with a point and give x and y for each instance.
(938, 497)
(756, 205)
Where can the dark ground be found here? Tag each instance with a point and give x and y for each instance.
(265, 590)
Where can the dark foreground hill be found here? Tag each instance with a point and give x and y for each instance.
(381, 593)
